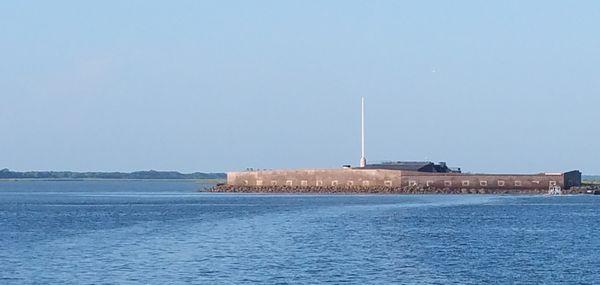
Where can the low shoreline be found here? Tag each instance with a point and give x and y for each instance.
(207, 180)
(388, 190)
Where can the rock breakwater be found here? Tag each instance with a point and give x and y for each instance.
(223, 188)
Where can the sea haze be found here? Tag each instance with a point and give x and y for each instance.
(159, 232)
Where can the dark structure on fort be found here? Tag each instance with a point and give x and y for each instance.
(420, 166)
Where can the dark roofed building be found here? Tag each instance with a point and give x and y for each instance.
(420, 166)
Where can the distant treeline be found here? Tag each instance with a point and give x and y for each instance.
(151, 174)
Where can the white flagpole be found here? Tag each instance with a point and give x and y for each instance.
(363, 159)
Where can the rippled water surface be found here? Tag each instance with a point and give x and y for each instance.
(162, 232)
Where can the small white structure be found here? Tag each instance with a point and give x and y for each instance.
(555, 190)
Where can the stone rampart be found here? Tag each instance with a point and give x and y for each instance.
(482, 181)
(344, 177)
(349, 178)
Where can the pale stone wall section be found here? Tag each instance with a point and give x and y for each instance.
(317, 177)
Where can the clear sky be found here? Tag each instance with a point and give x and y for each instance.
(508, 86)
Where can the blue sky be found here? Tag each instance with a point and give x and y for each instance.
(508, 86)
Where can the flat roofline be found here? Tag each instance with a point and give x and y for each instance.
(410, 172)
(481, 174)
(309, 169)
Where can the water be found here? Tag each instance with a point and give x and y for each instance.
(153, 232)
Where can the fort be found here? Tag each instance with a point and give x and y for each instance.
(396, 177)
(365, 180)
